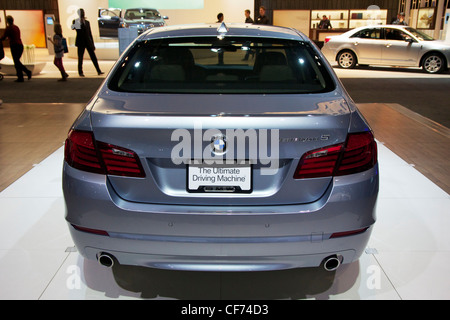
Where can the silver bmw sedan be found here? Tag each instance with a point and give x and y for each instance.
(221, 148)
(388, 45)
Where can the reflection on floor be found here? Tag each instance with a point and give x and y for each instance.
(407, 256)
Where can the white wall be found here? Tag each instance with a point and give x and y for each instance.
(68, 12)
(233, 11)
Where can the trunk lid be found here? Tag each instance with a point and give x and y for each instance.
(269, 132)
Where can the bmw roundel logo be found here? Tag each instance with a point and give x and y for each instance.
(219, 144)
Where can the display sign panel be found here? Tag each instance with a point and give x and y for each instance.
(31, 24)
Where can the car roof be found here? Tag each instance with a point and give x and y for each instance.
(398, 26)
(233, 29)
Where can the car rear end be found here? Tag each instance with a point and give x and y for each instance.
(332, 45)
(191, 157)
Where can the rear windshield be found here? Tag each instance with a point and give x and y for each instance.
(229, 65)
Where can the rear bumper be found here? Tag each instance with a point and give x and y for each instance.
(220, 238)
(218, 256)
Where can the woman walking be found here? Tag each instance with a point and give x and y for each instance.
(59, 50)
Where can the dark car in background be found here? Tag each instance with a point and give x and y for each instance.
(109, 20)
(143, 19)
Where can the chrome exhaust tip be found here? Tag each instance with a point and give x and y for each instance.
(331, 263)
(105, 259)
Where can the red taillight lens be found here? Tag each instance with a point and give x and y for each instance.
(120, 161)
(84, 153)
(318, 163)
(327, 39)
(80, 152)
(358, 154)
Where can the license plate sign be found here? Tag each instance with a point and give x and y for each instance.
(219, 178)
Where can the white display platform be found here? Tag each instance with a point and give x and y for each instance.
(407, 256)
(8, 69)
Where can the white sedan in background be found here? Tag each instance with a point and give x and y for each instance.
(387, 45)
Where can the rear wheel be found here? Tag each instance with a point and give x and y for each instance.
(346, 60)
(433, 63)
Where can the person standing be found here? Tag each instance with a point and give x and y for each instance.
(325, 23)
(262, 18)
(13, 33)
(248, 19)
(84, 41)
(400, 19)
(59, 50)
(220, 17)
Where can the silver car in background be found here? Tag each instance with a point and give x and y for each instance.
(387, 45)
(226, 148)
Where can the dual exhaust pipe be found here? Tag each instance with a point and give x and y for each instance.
(330, 263)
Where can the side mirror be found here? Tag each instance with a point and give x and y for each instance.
(165, 17)
(410, 40)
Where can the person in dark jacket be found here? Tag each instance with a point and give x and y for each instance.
(12, 32)
(84, 41)
(400, 19)
(248, 19)
(325, 23)
(262, 18)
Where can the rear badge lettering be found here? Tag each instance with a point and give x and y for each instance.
(324, 137)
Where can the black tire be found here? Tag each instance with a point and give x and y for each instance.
(346, 60)
(433, 63)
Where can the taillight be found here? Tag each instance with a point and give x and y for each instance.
(358, 154)
(120, 161)
(318, 163)
(327, 39)
(80, 152)
(84, 153)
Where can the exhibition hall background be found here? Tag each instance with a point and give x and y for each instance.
(299, 14)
